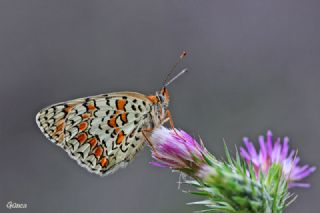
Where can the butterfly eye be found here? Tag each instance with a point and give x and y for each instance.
(161, 98)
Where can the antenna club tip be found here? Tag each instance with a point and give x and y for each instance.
(183, 54)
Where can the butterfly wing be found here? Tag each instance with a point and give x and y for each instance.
(102, 133)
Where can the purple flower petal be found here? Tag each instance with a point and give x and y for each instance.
(277, 152)
(245, 154)
(158, 164)
(175, 148)
(302, 185)
(269, 141)
(263, 148)
(285, 148)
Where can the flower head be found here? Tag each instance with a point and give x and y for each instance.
(233, 186)
(176, 149)
(276, 153)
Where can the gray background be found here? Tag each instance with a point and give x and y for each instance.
(254, 66)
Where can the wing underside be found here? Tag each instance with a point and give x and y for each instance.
(102, 133)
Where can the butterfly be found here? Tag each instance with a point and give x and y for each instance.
(104, 133)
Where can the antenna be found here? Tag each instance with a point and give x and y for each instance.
(182, 55)
(177, 76)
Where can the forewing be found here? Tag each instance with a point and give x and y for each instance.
(101, 132)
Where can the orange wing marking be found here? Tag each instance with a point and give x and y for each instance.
(91, 107)
(120, 104)
(83, 126)
(112, 122)
(120, 138)
(85, 115)
(82, 137)
(98, 152)
(124, 118)
(60, 126)
(104, 162)
(93, 142)
(68, 108)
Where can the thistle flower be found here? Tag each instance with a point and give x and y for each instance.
(226, 189)
(177, 150)
(233, 186)
(276, 153)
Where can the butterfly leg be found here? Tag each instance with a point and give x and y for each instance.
(169, 118)
(144, 131)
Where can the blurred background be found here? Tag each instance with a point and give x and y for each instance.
(254, 66)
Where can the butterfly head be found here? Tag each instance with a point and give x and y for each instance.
(163, 96)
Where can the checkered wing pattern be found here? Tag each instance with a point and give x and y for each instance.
(102, 133)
